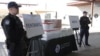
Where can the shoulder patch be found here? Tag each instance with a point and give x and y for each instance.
(7, 22)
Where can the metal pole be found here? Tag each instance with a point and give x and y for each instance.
(56, 15)
(92, 11)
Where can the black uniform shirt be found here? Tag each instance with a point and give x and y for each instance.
(13, 28)
(84, 21)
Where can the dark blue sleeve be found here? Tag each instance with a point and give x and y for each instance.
(88, 21)
(6, 27)
(81, 21)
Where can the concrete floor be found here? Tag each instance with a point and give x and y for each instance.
(94, 50)
(88, 52)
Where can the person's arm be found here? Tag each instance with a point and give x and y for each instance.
(9, 29)
(19, 27)
(81, 21)
(88, 21)
(6, 27)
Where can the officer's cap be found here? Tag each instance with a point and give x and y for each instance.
(13, 4)
(85, 12)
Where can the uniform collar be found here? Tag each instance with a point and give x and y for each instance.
(11, 15)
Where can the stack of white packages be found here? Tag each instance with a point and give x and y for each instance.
(52, 32)
(57, 34)
(66, 32)
(51, 29)
(51, 35)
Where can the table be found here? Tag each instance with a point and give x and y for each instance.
(60, 46)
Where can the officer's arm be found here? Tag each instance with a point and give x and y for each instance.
(6, 27)
(81, 21)
(88, 21)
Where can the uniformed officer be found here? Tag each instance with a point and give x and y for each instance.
(84, 22)
(14, 31)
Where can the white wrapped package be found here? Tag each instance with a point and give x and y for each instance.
(57, 34)
(51, 25)
(66, 32)
(51, 35)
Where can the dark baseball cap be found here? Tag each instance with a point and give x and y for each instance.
(13, 4)
(85, 12)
